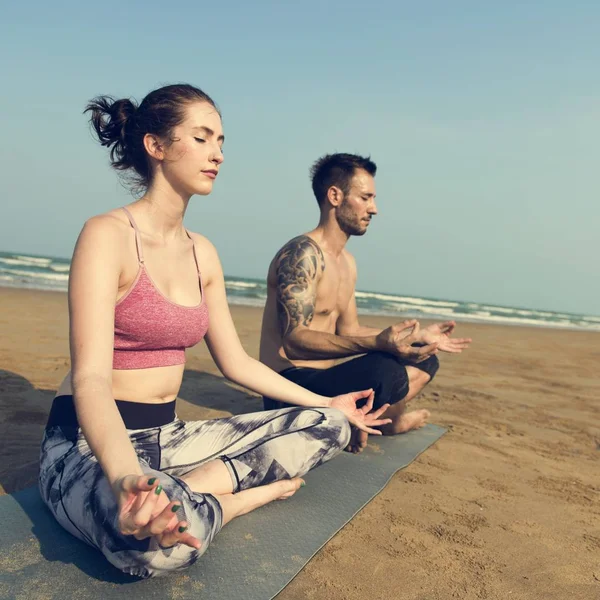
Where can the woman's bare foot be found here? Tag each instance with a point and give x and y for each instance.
(358, 441)
(234, 505)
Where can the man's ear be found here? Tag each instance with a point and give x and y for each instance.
(335, 195)
(154, 146)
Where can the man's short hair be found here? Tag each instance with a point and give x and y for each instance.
(337, 170)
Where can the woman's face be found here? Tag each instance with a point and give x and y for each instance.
(194, 154)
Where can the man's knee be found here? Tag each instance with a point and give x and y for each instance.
(429, 366)
(390, 377)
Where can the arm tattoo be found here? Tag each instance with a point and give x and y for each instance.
(297, 264)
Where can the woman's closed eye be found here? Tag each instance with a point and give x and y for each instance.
(200, 140)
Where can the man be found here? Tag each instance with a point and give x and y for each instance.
(311, 321)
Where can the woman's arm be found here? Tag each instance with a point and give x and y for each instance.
(93, 287)
(225, 346)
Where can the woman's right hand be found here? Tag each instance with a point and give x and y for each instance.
(145, 511)
(365, 418)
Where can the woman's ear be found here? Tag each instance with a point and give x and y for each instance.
(154, 146)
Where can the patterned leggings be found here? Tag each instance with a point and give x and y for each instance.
(257, 449)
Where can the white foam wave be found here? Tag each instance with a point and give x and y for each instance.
(404, 310)
(430, 310)
(61, 268)
(241, 284)
(246, 301)
(26, 274)
(34, 259)
(19, 262)
(406, 299)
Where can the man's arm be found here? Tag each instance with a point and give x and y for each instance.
(348, 323)
(438, 333)
(299, 267)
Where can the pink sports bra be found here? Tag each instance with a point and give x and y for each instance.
(150, 329)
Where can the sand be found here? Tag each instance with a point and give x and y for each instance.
(506, 505)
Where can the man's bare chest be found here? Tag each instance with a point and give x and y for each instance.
(334, 290)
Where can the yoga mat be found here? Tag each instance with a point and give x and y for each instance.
(253, 557)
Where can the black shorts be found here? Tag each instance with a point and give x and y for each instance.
(383, 372)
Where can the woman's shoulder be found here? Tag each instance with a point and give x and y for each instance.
(208, 258)
(203, 245)
(110, 225)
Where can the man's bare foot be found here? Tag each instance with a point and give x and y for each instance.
(358, 441)
(411, 420)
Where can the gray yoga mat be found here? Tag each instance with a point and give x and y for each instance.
(254, 557)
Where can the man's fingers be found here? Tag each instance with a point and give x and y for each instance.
(447, 327)
(406, 325)
(454, 346)
(421, 353)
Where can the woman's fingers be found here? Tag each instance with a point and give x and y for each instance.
(367, 429)
(355, 396)
(180, 535)
(144, 513)
(360, 424)
(377, 413)
(160, 523)
(368, 404)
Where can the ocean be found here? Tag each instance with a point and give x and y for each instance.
(48, 273)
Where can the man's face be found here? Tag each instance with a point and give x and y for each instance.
(358, 206)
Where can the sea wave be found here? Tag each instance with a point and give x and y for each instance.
(405, 299)
(242, 284)
(36, 275)
(34, 259)
(61, 268)
(19, 270)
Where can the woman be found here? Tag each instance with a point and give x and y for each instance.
(118, 469)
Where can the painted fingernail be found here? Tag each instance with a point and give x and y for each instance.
(303, 484)
(176, 507)
(158, 490)
(182, 529)
(151, 481)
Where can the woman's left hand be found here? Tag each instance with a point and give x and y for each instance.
(363, 418)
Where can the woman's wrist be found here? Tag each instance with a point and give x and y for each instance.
(324, 401)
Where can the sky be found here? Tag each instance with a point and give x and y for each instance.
(483, 119)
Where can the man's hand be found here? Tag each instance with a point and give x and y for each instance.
(440, 333)
(398, 340)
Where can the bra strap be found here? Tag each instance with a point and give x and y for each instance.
(138, 239)
(197, 265)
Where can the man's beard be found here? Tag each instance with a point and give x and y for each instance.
(349, 223)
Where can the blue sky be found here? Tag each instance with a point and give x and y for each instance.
(483, 119)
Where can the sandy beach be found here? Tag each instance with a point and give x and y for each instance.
(506, 505)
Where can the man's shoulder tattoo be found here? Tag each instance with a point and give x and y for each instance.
(298, 264)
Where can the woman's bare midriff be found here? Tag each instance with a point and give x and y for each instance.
(154, 386)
